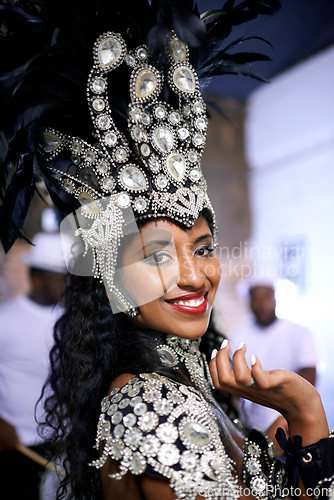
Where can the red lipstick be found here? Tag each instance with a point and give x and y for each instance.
(192, 303)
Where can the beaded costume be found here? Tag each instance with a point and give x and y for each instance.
(171, 430)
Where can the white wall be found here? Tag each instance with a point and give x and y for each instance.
(290, 148)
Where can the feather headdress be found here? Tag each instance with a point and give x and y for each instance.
(45, 49)
(103, 102)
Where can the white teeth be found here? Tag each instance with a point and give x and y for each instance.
(190, 303)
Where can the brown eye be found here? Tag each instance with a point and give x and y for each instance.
(204, 251)
(159, 258)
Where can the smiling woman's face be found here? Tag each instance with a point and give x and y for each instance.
(173, 275)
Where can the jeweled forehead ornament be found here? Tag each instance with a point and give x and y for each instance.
(154, 169)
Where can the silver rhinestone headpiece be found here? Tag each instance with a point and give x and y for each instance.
(155, 168)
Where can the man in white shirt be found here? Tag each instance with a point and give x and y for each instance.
(26, 333)
(277, 343)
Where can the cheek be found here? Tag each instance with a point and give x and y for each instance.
(145, 283)
(150, 315)
(213, 272)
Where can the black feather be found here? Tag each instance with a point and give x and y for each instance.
(16, 202)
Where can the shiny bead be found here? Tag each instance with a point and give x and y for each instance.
(98, 104)
(108, 184)
(102, 166)
(98, 85)
(110, 139)
(103, 122)
(168, 454)
(161, 181)
(129, 420)
(123, 200)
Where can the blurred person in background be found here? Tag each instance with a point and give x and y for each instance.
(279, 343)
(26, 332)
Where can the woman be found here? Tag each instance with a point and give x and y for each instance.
(138, 346)
(144, 230)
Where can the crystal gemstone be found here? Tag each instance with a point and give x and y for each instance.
(103, 122)
(121, 154)
(197, 434)
(87, 176)
(102, 167)
(161, 181)
(200, 123)
(184, 79)
(195, 174)
(167, 357)
(98, 85)
(88, 203)
(108, 184)
(52, 141)
(109, 51)
(145, 84)
(145, 149)
(183, 133)
(178, 50)
(137, 465)
(160, 112)
(133, 178)
(110, 139)
(176, 166)
(154, 164)
(123, 200)
(75, 159)
(117, 450)
(198, 140)
(68, 186)
(163, 139)
(98, 104)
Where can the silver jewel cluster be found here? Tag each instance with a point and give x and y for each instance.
(186, 351)
(153, 424)
(252, 470)
(265, 477)
(161, 158)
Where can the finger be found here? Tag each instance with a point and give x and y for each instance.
(242, 371)
(265, 379)
(220, 366)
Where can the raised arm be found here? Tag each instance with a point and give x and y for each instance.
(294, 397)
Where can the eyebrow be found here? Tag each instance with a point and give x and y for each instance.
(203, 237)
(162, 243)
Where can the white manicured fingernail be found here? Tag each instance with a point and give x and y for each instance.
(214, 353)
(224, 343)
(253, 359)
(240, 346)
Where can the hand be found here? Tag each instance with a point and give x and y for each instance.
(285, 391)
(8, 436)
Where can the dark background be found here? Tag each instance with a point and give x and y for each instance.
(300, 29)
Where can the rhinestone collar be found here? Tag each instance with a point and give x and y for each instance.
(178, 352)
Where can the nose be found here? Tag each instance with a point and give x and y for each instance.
(191, 274)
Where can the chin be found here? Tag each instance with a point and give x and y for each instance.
(173, 322)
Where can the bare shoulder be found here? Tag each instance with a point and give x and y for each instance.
(120, 381)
